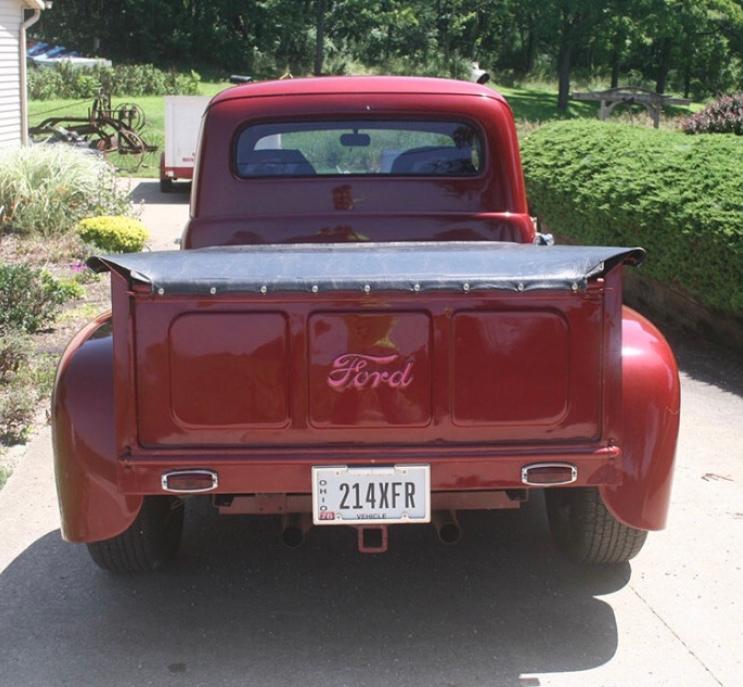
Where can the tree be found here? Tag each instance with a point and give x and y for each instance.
(692, 45)
(573, 22)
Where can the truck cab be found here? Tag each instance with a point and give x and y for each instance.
(358, 159)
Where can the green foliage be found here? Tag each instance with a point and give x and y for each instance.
(64, 81)
(114, 234)
(694, 46)
(30, 298)
(48, 189)
(679, 197)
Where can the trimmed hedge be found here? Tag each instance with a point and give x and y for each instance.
(680, 197)
(114, 234)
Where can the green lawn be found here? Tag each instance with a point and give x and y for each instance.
(539, 104)
(531, 105)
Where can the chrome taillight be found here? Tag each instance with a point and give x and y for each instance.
(189, 481)
(548, 474)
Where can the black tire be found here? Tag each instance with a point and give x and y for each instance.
(150, 542)
(166, 185)
(586, 531)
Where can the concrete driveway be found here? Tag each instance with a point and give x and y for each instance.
(164, 214)
(499, 609)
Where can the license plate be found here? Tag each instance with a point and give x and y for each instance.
(344, 495)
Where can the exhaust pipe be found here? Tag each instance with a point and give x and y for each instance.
(447, 526)
(293, 528)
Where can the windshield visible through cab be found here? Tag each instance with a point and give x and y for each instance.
(359, 147)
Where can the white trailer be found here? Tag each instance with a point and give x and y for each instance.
(182, 123)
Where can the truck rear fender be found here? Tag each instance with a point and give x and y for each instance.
(650, 407)
(83, 432)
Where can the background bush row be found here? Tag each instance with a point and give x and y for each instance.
(680, 197)
(64, 81)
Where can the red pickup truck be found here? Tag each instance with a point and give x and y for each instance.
(364, 329)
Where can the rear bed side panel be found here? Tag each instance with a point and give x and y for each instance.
(651, 401)
(92, 506)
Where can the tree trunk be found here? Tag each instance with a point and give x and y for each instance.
(688, 59)
(614, 69)
(531, 51)
(319, 36)
(664, 65)
(563, 75)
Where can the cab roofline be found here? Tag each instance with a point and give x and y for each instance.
(346, 85)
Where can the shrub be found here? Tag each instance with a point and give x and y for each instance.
(723, 116)
(39, 374)
(30, 298)
(48, 189)
(17, 408)
(21, 389)
(132, 80)
(114, 234)
(679, 197)
(14, 352)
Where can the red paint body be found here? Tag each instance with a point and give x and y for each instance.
(258, 389)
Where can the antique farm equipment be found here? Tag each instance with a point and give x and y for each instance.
(106, 128)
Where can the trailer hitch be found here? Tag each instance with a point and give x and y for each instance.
(372, 538)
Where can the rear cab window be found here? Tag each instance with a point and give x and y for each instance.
(360, 147)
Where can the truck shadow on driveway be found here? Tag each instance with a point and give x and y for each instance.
(148, 191)
(239, 608)
(707, 361)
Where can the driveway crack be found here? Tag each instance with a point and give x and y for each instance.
(677, 636)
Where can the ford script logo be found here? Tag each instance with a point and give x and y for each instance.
(358, 371)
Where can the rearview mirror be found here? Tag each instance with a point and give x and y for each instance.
(355, 140)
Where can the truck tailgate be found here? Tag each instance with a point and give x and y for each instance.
(371, 344)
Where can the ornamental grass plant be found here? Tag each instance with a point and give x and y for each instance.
(47, 189)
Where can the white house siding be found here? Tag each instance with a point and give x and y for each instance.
(11, 17)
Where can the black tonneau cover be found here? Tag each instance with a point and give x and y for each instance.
(368, 267)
